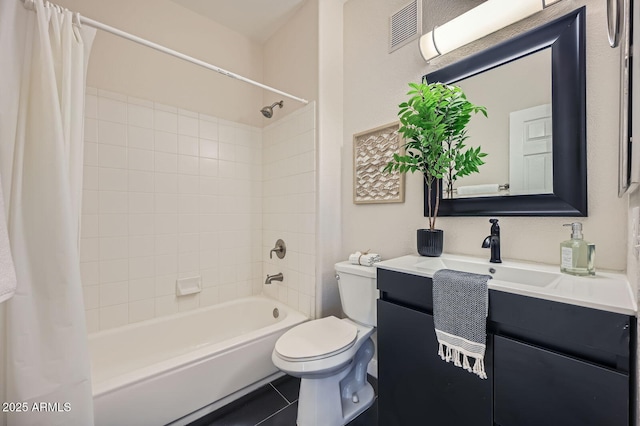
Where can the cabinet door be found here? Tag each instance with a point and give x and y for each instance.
(536, 387)
(415, 387)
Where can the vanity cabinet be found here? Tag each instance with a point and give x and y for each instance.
(547, 363)
(535, 386)
(418, 385)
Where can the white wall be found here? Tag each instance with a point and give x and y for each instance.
(291, 63)
(330, 129)
(122, 66)
(375, 83)
(289, 209)
(291, 59)
(133, 249)
(305, 57)
(168, 194)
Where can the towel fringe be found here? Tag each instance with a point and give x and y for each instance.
(478, 368)
(465, 363)
(448, 354)
(456, 358)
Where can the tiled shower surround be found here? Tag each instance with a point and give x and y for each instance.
(289, 208)
(170, 193)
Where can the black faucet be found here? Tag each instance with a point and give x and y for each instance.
(493, 242)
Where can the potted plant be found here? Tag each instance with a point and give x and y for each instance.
(433, 122)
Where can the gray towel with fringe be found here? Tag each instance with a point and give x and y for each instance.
(460, 307)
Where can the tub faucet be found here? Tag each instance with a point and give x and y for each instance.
(493, 242)
(276, 277)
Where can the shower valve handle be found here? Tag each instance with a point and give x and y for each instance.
(280, 249)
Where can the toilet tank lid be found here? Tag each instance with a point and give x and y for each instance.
(349, 268)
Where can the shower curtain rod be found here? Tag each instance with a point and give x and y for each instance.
(99, 25)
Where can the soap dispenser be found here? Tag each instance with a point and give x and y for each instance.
(577, 255)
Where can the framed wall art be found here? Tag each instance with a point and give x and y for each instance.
(372, 150)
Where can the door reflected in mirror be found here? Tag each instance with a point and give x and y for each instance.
(518, 134)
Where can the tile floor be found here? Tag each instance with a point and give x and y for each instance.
(274, 404)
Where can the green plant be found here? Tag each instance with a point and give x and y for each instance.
(433, 122)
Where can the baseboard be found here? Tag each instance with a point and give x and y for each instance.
(224, 401)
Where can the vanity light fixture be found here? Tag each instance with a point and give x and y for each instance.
(482, 20)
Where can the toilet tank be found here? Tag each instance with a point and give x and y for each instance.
(358, 292)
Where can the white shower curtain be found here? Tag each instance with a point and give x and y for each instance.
(43, 58)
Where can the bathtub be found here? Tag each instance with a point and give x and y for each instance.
(158, 371)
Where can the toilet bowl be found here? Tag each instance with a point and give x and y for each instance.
(331, 355)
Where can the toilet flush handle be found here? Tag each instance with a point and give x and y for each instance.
(337, 277)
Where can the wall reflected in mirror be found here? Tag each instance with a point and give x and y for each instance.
(517, 136)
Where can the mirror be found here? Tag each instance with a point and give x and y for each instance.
(621, 33)
(517, 135)
(544, 174)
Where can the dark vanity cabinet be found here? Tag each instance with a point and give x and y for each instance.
(415, 383)
(547, 363)
(416, 386)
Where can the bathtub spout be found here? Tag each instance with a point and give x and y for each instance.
(276, 277)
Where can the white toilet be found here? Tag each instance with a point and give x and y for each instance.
(331, 355)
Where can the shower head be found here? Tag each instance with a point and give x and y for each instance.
(268, 110)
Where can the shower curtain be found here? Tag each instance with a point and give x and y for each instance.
(43, 347)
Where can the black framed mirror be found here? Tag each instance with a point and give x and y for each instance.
(565, 37)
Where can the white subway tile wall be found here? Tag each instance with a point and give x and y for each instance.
(289, 208)
(170, 193)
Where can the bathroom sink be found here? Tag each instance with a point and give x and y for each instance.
(608, 291)
(517, 275)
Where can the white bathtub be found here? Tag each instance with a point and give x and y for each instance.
(158, 371)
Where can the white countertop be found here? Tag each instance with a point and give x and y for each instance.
(607, 291)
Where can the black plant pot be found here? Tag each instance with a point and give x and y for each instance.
(430, 242)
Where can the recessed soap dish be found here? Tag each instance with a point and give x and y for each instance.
(185, 286)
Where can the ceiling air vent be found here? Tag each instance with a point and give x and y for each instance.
(405, 25)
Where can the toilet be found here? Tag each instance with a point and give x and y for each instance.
(331, 355)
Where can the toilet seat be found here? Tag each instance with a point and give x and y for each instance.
(321, 338)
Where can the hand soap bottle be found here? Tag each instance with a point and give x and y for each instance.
(577, 255)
